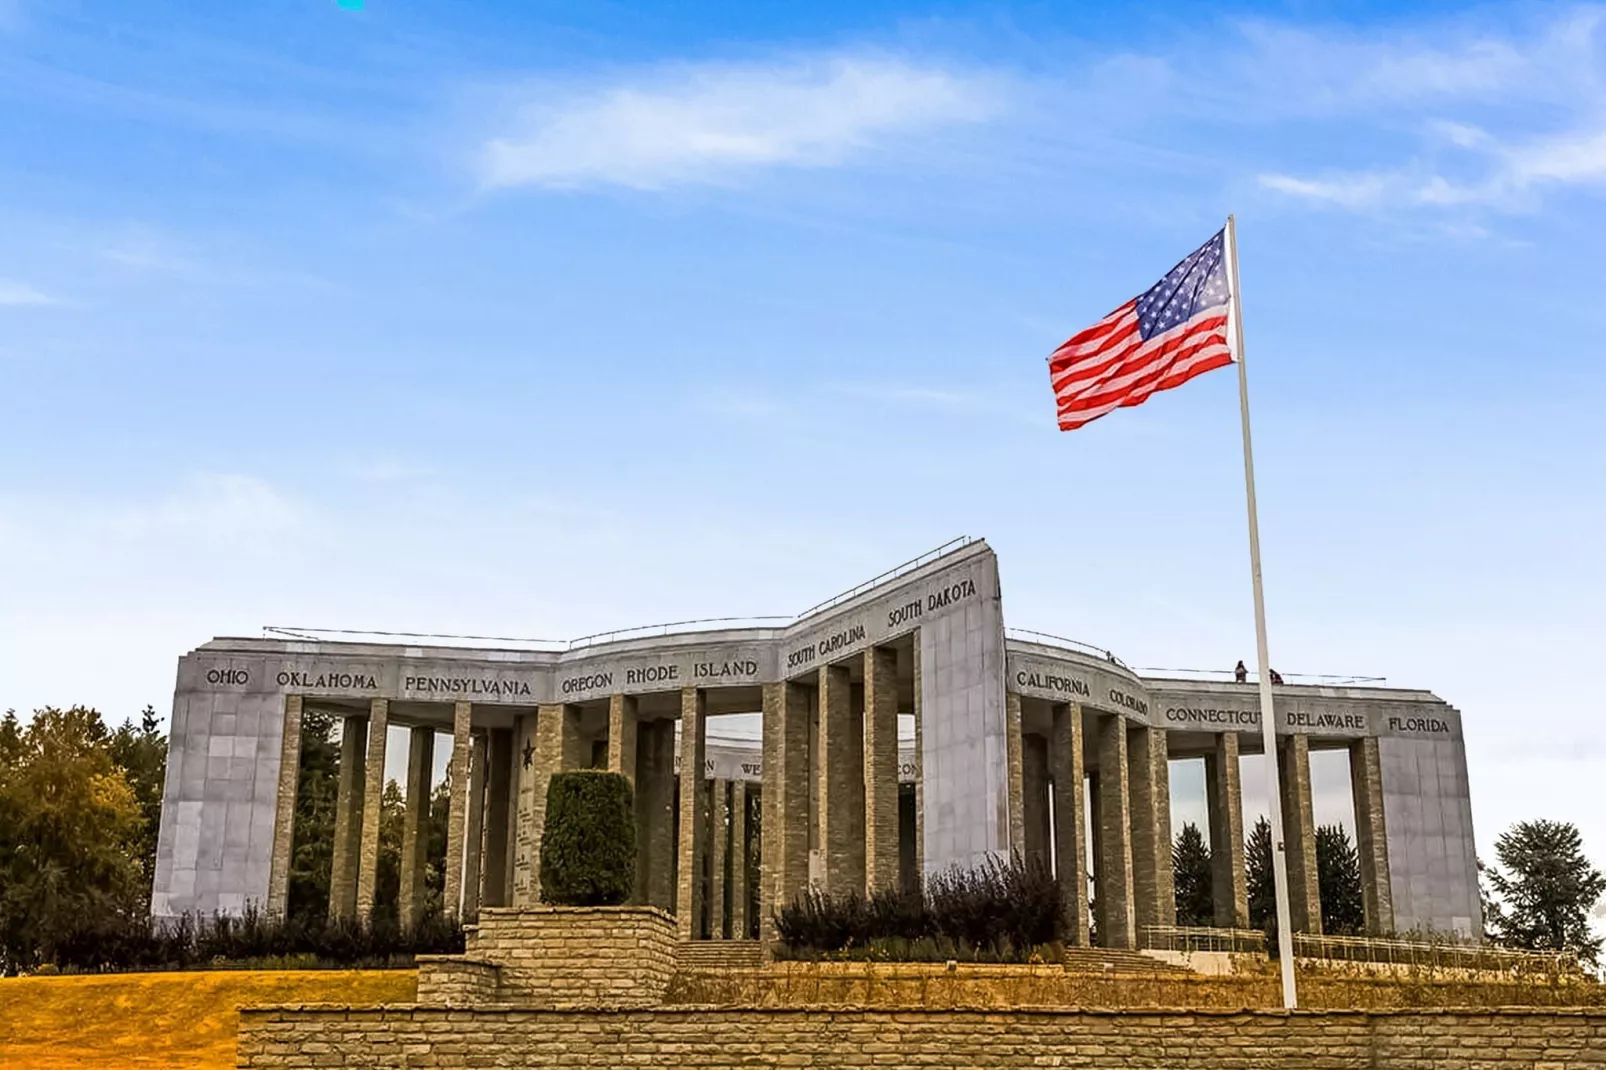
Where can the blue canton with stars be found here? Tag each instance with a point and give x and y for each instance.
(1198, 283)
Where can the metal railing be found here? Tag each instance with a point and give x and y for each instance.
(1335, 679)
(1201, 938)
(674, 627)
(890, 574)
(1438, 953)
(1071, 644)
(646, 630)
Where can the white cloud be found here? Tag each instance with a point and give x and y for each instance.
(213, 508)
(1301, 69)
(1346, 191)
(16, 293)
(712, 123)
(1500, 163)
(1508, 176)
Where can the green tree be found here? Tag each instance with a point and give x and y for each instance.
(1546, 888)
(588, 848)
(1258, 878)
(317, 794)
(70, 836)
(387, 874)
(1192, 879)
(141, 753)
(1338, 876)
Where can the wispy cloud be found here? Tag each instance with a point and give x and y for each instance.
(1549, 72)
(952, 399)
(386, 469)
(714, 123)
(1502, 176)
(214, 508)
(17, 293)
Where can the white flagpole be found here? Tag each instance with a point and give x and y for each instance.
(1268, 723)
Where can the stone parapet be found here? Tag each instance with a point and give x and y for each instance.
(290, 1038)
(457, 980)
(570, 956)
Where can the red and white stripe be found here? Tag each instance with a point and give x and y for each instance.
(1109, 365)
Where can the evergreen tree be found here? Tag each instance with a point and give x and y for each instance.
(1258, 877)
(141, 753)
(1193, 883)
(387, 874)
(1546, 889)
(317, 795)
(1338, 877)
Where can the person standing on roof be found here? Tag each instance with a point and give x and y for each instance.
(1240, 673)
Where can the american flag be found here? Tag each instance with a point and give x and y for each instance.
(1173, 331)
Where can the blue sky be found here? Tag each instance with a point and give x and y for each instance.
(544, 319)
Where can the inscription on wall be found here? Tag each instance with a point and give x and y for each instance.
(1065, 685)
(661, 675)
(340, 681)
(904, 612)
(466, 685)
(1206, 715)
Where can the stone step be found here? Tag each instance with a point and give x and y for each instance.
(695, 955)
(1117, 960)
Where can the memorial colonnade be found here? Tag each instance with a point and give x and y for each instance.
(1089, 795)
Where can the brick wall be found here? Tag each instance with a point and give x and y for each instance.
(565, 956)
(295, 1037)
(456, 980)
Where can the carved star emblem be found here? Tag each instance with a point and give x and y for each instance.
(529, 753)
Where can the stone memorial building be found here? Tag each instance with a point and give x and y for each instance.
(904, 731)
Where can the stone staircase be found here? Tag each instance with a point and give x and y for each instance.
(701, 956)
(1109, 960)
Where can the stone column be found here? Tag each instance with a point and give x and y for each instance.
(1299, 835)
(415, 826)
(738, 884)
(284, 812)
(787, 800)
(841, 784)
(1014, 744)
(719, 818)
(526, 836)
(881, 768)
(557, 738)
(655, 813)
(1034, 798)
(474, 839)
(920, 764)
(348, 819)
(1149, 776)
(373, 794)
(1115, 844)
(622, 737)
(496, 876)
(693, 812)
(1070, 829)
(1223, 785)
(1371, 838)
(459, 787)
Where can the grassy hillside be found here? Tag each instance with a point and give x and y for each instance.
(181, 1020)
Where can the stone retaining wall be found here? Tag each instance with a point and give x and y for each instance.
(558, 957)
(456, 980)
(410, 1036)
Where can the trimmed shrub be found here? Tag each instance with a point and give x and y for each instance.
(588, 848)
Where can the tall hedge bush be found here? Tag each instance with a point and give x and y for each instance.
(588, 848)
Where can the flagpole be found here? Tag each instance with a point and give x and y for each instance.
(1268, 723)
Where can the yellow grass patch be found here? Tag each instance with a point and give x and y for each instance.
(185, 1020)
